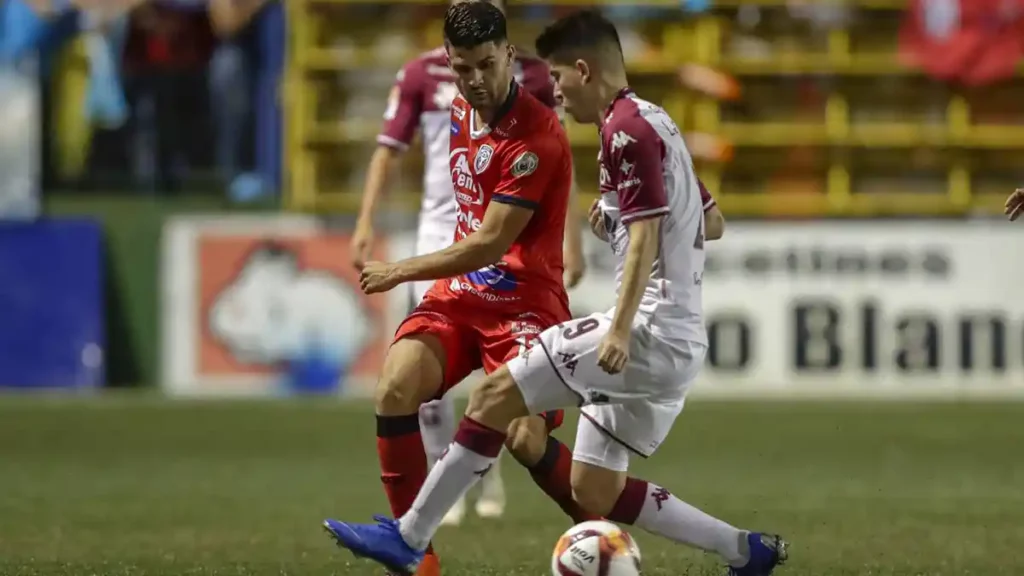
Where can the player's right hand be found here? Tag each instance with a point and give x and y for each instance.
(361, 246)
(1015, 204)
(596, 217)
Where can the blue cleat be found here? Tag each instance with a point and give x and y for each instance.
(767, 551)
(380, 542)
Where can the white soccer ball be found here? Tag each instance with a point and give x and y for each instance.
(596, 548)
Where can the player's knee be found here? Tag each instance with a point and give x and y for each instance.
(527, 440)
(596, 489)
(496, 401)
(411, 376)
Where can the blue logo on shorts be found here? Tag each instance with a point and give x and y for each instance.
(455, 128)
(493, 277)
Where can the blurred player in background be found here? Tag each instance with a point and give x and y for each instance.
(500, 284)
(1015, 204)
(631, 367)
(421, 99)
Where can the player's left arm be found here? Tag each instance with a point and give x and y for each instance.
(502, 224)
(714, 220)
(526, 173)
(642, 204)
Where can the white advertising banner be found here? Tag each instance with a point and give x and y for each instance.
(860, 309)
(896, 309)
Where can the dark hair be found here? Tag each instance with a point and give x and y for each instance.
(471, 24)
(584, 30)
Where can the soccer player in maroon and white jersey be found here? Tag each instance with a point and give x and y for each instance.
(630, 367)
(421, 102)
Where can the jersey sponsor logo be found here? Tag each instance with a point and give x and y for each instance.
(483, 158)
(630, 183)
(459, 112)
(525, 165)
(444, 95)
(456, 129)
(504, 131)
(620, 140)
(442, 71)
(467, 191)
(493, 277)
(606, 179)
(467, 220)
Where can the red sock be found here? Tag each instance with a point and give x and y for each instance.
(552, 474)
(403, 461)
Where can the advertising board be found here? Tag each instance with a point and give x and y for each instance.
(891, 308)
(263, 305)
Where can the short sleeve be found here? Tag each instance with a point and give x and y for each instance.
(705, 197)
(405, 104)
(528, 171)
(637, 167)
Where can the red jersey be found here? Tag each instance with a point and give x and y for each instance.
(522, 158)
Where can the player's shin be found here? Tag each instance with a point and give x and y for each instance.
(468, 459)
(552, 474)
(656, 510)
(403, 463)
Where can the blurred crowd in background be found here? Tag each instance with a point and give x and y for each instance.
(161, 94)
(156, 93)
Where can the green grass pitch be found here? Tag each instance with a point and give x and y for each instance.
(148, 487)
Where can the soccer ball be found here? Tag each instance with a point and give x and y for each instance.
(595, 548)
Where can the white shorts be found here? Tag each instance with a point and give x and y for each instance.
(427, 241)
(634, 408)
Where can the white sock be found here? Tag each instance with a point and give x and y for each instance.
(470, 456)
(437, 426)
(665, 515)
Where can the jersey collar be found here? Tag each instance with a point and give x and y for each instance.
(624, 93)
(500, 114)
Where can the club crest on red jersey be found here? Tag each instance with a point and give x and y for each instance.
(483, 158)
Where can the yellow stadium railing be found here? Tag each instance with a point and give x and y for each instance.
(698, 40)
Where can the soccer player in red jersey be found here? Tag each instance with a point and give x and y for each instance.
(420, 101)
(501, 283)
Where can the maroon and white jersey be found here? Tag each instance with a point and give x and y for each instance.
(647, 172)
(421, 100)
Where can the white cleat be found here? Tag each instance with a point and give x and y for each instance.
(455, 514)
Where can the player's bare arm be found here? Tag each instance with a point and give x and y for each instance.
(382, 165)
(502, 224)
(1015, 204)
(714, 223)
(613, 352)
(575, 261)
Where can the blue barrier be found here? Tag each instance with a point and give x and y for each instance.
(52, 307)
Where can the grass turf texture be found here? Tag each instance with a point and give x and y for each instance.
(156, 488)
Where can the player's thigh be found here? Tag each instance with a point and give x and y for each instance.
(431, 353)
(536, 375)
(637, 425)
(561, 369)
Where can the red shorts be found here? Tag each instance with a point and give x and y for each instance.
(476, 339)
